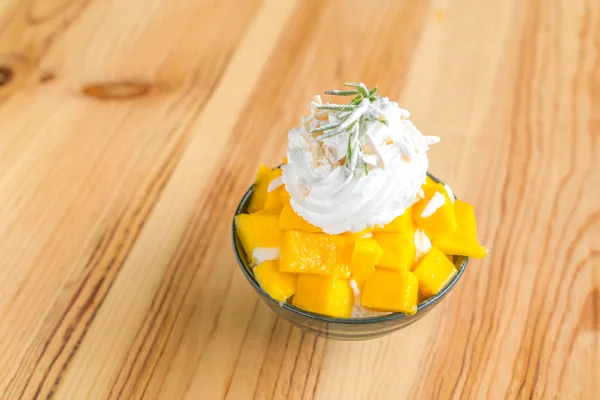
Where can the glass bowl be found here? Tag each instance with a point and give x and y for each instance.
(339, 328)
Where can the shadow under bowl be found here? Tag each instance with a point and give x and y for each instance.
(339, 328)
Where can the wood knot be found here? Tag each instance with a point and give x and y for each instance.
(6, 75)
(47, 76)
(16, 72)
(116, 90)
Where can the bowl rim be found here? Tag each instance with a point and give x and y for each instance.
(430, 302)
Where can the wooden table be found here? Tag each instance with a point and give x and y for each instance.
(129, 130)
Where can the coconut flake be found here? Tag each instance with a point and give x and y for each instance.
(275, 183)
(436, 202)
(450, 193)
(431, 140)
(262, 254)
(422, 244)
(354, 287)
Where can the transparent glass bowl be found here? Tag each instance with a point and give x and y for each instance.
(339, 328)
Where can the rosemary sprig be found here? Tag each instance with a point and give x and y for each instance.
(336, 107)
(350, 118)
(372, 93)
(349, 151)
(324, 128)
(335, 132)
(360, 86)
(341, 92)
(357, 99)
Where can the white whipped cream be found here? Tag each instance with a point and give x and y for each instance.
(262, 254)
(378, 184)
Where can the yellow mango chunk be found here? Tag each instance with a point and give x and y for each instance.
(278, 285)
(289, 220)
(398, 250)
(429, 181)
(326, 295)
(391, 291)
(434, 271)
(365, 256)
(257, 230)
(276, 199)
(264, 176)
(443, 220)
(316, 253)
(402, 224)
(463, 241)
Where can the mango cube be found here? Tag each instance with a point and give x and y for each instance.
(258, 230)
(276, 199)
(365, 256)
(391, 291)
(434, 271)
(279, 285)
(264, 176)
(289, 220)
(443, 220)
(316, 253)
(402, 224)
(326, 295)
(463, 241)
(398, 250)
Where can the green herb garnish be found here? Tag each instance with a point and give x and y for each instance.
(341, 92)
(352, 116)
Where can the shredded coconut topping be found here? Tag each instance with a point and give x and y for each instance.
(422, 243)
(433, 205)
(450, 193)
(262, 254)
(275, 183)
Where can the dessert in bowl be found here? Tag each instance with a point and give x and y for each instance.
(350, 237)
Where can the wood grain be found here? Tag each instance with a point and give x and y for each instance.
(131, 129)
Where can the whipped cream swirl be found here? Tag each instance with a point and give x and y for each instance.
(362, 177)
